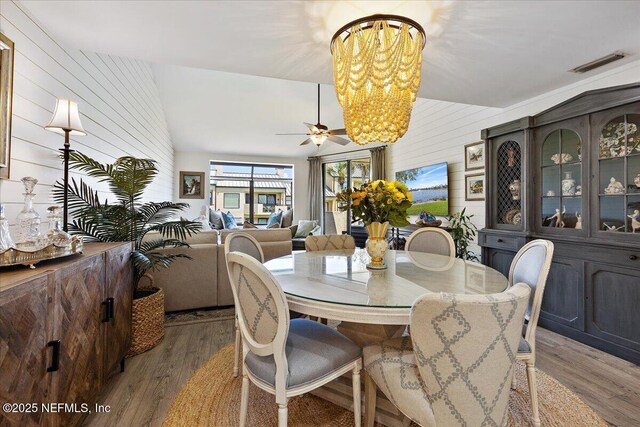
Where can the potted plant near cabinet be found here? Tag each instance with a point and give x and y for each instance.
(148, 225)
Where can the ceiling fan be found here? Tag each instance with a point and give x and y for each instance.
(319, 133)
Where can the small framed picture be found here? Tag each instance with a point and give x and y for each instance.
(191, 185)
(474, 187)
(474, 156)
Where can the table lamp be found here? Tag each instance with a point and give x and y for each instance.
(66, 121)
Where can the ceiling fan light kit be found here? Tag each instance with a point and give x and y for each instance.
(377, 62)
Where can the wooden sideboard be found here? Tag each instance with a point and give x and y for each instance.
(65, 328)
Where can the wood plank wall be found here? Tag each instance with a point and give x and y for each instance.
(119, 104)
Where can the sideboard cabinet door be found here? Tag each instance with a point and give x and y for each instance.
(24, 356)
(79, 293)
(563, 300)
(119, 287)
(613, 298)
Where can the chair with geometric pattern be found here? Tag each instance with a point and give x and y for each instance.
(431, 240)
(457, 365)
(247, 244)
(330, 242)
(531, 266)
(281, 356)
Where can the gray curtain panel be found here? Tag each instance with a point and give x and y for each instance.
(315, 189)
(378, 169)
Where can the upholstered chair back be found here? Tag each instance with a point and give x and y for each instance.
(465, 347)
(531, 266)
(263, 313)
(329, 242)
(431, 240)
(245, 243)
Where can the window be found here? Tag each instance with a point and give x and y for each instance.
(231, 201)
(338, 176)
(266, 188)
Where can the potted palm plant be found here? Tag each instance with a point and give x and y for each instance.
(150, 226)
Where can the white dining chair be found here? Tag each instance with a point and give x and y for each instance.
(455, 367)
(531, 266)
(431, 240)
(329, 242)
(282, 357)
(247, 244)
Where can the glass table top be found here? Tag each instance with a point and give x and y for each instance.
(341, 277)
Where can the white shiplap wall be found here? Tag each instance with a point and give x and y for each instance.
(119, 104)
(439, 130)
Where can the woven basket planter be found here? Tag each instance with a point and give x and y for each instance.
(148, 321)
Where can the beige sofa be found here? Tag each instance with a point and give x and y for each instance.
(203, 281)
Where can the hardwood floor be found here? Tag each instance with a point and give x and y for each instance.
(142, 395)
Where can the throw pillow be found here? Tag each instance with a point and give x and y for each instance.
(229, 221)
(276, 225)
(215, 217)
(305, 227)
(274, 218)
(287, 219)
(247, 224)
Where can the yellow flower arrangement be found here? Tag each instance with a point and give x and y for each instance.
(377, 201)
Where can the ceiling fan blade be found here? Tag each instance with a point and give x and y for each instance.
(338, 131)
(307, 141)
(338, 140)
(312, 127)
(293, 134)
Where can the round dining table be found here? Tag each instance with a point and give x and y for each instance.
(337, 284)
(373, 305)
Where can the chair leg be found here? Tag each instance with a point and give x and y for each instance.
(357, 400)
(370, 392)
(244, 400)
(236, 357)
(282, 415)
(533, 392)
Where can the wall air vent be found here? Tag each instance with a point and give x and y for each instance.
(598, 62)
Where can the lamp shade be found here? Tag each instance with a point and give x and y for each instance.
(66, 118)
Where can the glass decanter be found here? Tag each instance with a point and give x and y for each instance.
(56, 234)
(6, 242)
(28, 220)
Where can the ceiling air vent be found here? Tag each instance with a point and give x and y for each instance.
(598, 62)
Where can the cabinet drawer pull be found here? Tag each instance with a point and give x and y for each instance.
(108, 310)
(55, 356)
(110, 307)
(500, 240)
(633, 257)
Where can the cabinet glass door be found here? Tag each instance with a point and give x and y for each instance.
(562, 180)
(619, 175)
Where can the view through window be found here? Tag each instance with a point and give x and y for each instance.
(251, 191)
(338, 176)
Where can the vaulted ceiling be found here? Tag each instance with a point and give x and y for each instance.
(491, 53)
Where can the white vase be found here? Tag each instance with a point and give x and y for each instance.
(377, 244)
(568, 185)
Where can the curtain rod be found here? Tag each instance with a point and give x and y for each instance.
(346, 152)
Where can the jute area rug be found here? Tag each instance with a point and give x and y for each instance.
(212, 398)
(198, 316)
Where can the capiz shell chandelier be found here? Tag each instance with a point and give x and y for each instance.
(376, 71)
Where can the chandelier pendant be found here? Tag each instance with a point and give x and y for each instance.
(377, 63)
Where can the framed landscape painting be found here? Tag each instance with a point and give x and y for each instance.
(191, 185)
(474, 187)
(474, 156)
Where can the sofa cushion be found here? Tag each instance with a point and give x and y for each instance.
(305, 227)
(229, 221)
(215, 218)
(287, 219)
(313, 351)
(274, 218)
(203, 237)
(247, 224)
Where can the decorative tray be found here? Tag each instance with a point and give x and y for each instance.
(14, 256)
